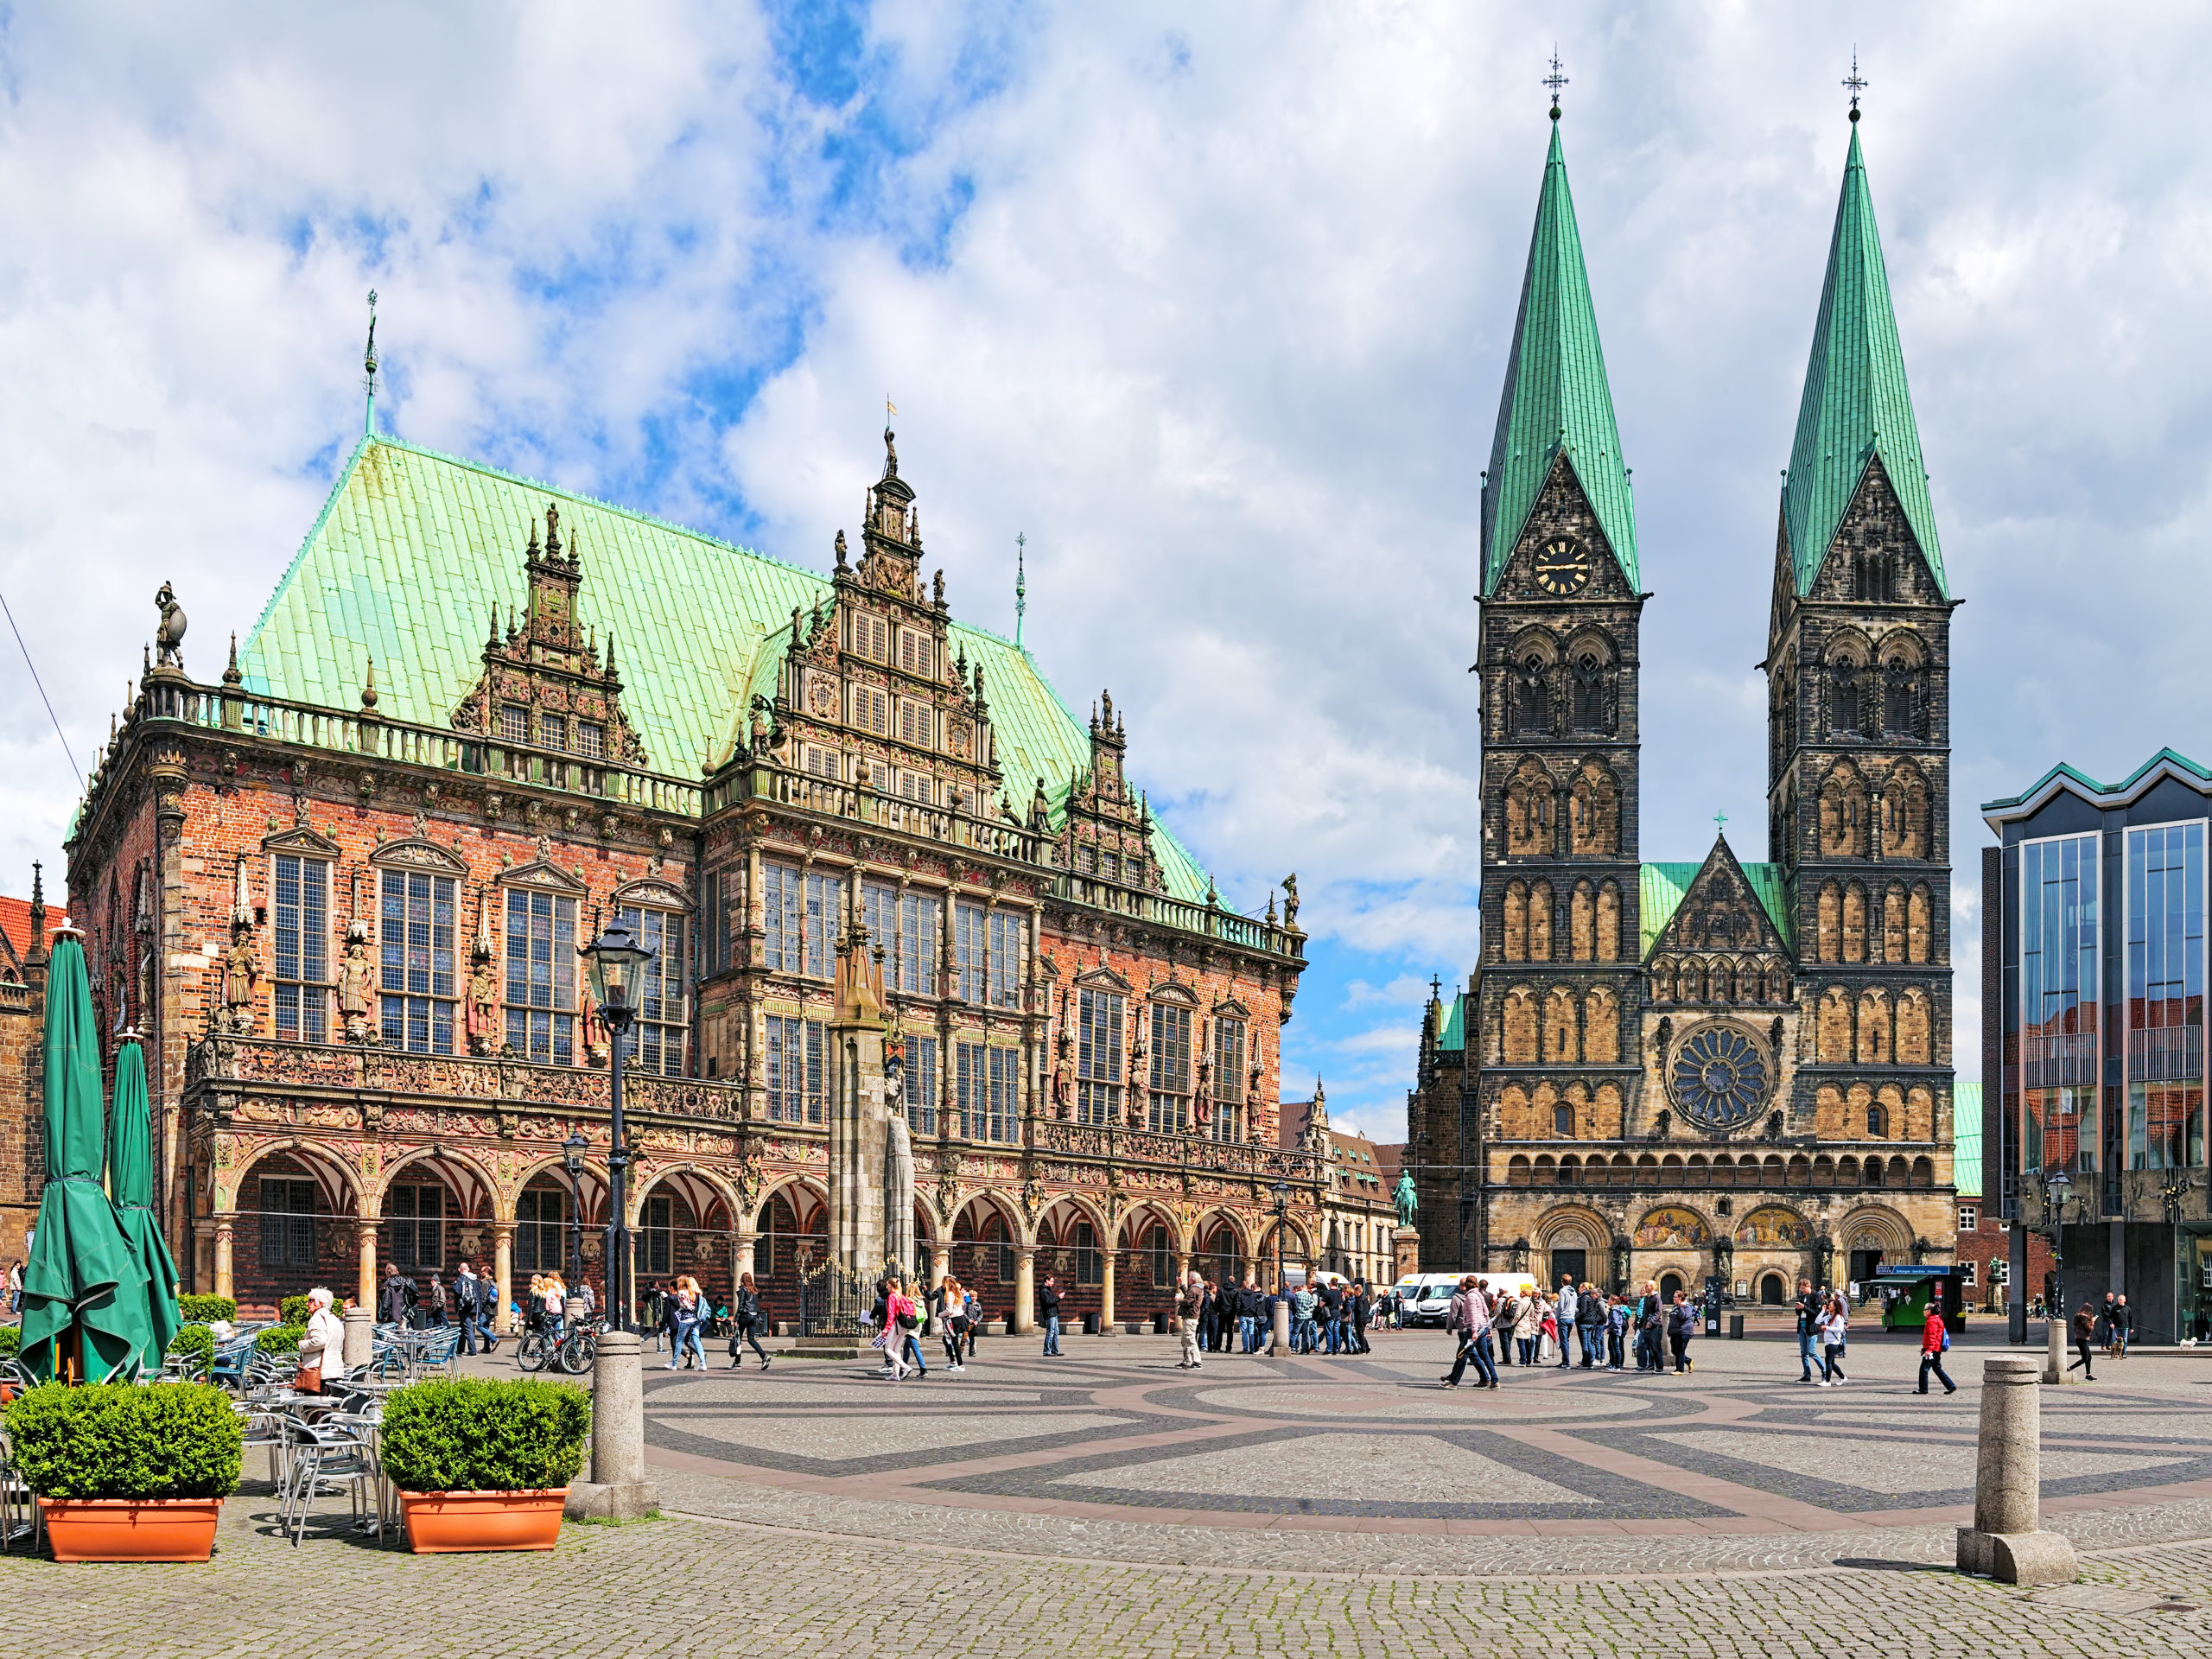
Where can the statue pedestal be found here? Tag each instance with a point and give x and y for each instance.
(1405, 1248)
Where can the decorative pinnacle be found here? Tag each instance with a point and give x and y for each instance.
(1854, 83)
(1020, 584)
(1555, 81)
(369, 367)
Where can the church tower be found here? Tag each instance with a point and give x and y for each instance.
(1858, 791)
(1560, 603)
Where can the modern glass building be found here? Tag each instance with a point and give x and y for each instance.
(2093, 1017)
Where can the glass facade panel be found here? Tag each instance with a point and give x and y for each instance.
(2166, 996)
(2059, 981)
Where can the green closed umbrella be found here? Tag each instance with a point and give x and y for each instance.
(131, 1188)
(79, 1260)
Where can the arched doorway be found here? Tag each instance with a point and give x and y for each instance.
(1772, 1291)
(295, 1230)
(1669, 1282)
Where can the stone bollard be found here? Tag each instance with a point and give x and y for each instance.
(2054, 1364)
(1279, 1335)
(2006, 1541)
(360, 1346)
(617, 1490)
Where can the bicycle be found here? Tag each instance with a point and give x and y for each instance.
(574, 1352)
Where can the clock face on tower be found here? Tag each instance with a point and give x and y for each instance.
(1563, 566)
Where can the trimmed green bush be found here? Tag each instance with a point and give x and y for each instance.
(280, 1339)
(11, 1340)
(293, 1310)
(196, 1340)
(206, 1310)
(469, 1435)
(114, 1440)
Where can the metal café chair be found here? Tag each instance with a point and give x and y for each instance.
(20, 1520)
(326, 1457)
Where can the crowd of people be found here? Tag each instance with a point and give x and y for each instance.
(1516, 1322)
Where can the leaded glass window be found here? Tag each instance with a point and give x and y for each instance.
(1098, 1057)
(302, 938)
(541, 962)
(662, 1010)
(416, 940)
(1169, 1109)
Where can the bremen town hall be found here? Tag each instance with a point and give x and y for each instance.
(931, 985)
(1678, 1072)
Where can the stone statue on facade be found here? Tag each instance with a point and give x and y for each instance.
(1290, 900)
(357, 986)
(1404, 1196)
(169, 638)
(899, 1194)
(480, 1012)
(1063, 1078)
(241, 979)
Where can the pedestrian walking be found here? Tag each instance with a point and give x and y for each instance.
(1048, 1305)
(1835, 1330)
(1682, 1325)
(436, 1300)
(1934, 1342)
(746, 1320)
(913, 1327)
(974, 1314)
(1470, 1319)
(468, 1289)
(15, 1289)
(2085, 1326)
(1616, 1330)
(1362, 1304)
(951, 1311)
(1563, 1318)
(2123, 1326)
(1808, 1306)
(395, 1296)
(1589, 1319)
(1190, 1300)
(686, 1315)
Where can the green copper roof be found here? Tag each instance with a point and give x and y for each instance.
(1660, 888)
(1453, 1038)
(413, 548)
(1965, 1137)
(1855, 405)
(1556, 396)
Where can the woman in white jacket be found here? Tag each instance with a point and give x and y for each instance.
(322, 1345)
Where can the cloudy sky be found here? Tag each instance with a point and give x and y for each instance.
(1212, 303)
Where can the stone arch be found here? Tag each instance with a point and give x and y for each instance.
(1594, 812)
(1893, 922)
(1601, 1026)
(1562, 1037)
(684, 1236)
(1905, 797)
(340, 1183)
(1773, 1227)
(1874, 1037)
(1590, 679)
(294, 1209)
(1582, 922)
(1576, 1228)
(1854, 922)
(1690, 982)
(1531, 813)
(1517, 1170)
(1845, 826)
(1919, 1114)
(1517, 1029)
(1913, 1028)
(987, 1235)
(1663, 980)
(1531, 667)
(459, 1172)
(1673, 1227)
(1513, 945)
(1876, 1227)
(1918, 919)
(1071, 1236)
(1829, 922)
(1847, 658)
(701, 1190)
(1297, 1246)
(1832, 1027)
(1539, 921)
(790, 1227)
(1609, 922)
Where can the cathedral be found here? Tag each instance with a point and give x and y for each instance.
(1709, 1071)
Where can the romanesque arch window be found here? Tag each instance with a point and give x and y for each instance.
(1893, 923)
(1902, 700)
(1601, 1027)
(1609, 922)
(1875, 575)
(1829, 913)
(1662, 981)
(1848, 688)
(1854, 923)
(1582, 922)
(1874, 1028)
(1531, 694)
(1844, 813)
(1877, 1128)
(1777, 984)
(1913, 1046)
(1530, 812)
(1915, 928)
(1589, 691)
(1539, 922)
(1596, 805)
(1515, 946)
(1905, 813)
(1562, 1039)
(1517, 1029)
(1832, 1027)
(1563, 1120)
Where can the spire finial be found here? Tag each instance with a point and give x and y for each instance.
(1555, 81)
(1721, 818)
(1020, 584)
(1854, 83)
(369, 367)
(231, 675)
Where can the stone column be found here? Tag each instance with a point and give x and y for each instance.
(2005, 1541)
(203, 1257)
(940, 1261)
(503, 1266)
(741, 1262)
(361, 1345)
(225, 1284)
(1025, 1290)
(365, 1237)
(617, 1490)
(1106, 1297)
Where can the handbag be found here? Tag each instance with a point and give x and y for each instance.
(308, 1380)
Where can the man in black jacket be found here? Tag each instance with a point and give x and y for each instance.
(394, 1296)
(1048, 1306)
(1807, 1305)
(1359, 1309)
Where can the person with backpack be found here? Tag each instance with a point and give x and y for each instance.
(975, 1315)
(1469, 1321)
(745, 1320)
(1934, 1342)
(1682, 1325)
(1651, 1324)
(912, 1324)
(1589, 1319)
(1359, 1305)
(950, 1309)
(1563, 1315)
(1616, 1332)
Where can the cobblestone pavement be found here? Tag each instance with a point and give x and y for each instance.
(812, 1510)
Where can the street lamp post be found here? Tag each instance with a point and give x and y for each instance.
(572, 1154)
(2058, 1191)
(617, 964)
(1279, 1327)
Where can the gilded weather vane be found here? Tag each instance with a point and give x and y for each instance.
(1555, 81)
(1854, 83)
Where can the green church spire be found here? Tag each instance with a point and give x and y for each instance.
(1855, 406)
(1556, 398)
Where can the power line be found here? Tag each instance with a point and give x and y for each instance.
(42, 697)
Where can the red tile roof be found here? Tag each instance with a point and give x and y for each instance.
(16, 925)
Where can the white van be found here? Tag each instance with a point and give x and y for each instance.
(1427, 1297)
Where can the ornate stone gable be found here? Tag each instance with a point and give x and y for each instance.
(543, 685)
(1108, 830)
(1721, 912)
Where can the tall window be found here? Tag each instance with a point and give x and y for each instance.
(2166, 996)
(1088, 1263)
(302, 942)
(1170, 1107)
(969, 943)
(539, 1218)
(921, 1085)
(794, 1070)
(661, 1013)
(987, 1087)
(514, 723)
(1228, 1079)
(871, 710)
(914, 723)
(657, 1244)
(553, 731)
(541, 976)
(915, 652)
(719, 892)
(1008, 936)
(921, 925)
(798, 916)
(288, 1211)
(414, 1228)
(780, 903)
(2058, 1003)
(871, 635)
(591, 740)
(1098, 1057)
(418, 970)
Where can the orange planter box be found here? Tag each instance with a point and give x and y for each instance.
(444, 1523)
(131, 1528)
